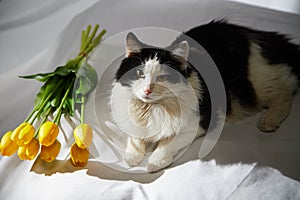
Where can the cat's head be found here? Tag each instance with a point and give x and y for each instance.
(153, 73)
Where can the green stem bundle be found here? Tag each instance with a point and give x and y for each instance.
(55, 95)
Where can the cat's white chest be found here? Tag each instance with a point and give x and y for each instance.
(163, 123)
(151, 122)
(142, 120)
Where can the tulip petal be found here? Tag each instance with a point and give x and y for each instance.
(50, 153)
(79, 156)
(8, 147)
(83, 135)
(29, 152)
(48, 133)
(23, 134)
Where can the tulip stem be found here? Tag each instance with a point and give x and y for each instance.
(38, 109)
(44, 120)
(30, 115)
(60, 108)
(82, 109)
(41, 106)
(57, 117)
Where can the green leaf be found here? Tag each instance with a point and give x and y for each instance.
(61, 71)
(72, 64)
(43, 77)
(45, 110)
(46, 90)
(88, 79)
(55, 94)
(39, 97)
(57, 97)
(64, 71)
(68, 106)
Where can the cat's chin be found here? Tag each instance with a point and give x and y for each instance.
(147, 99)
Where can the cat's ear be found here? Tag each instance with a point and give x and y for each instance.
(182, 50)
(133, 45)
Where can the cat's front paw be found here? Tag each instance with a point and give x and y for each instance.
(268, 123)
(133, 159)
(159, 160)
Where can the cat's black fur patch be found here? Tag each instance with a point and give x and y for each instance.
(277, 49)
(229, 47)
(127, 70)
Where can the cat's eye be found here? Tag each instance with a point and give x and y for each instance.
(140, 74)
(162, 78)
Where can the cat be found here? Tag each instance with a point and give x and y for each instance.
(260, 71)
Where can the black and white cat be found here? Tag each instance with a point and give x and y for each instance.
(260, 70)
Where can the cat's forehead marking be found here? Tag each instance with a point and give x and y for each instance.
(152, 64)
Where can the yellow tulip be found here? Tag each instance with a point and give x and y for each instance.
(79, 156)
(83, 135)
(48, 133)
(29, 151)
(22, 153)
(50, 153)
(7, 146)
(23, 134)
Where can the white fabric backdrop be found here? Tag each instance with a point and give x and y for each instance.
(45, 34)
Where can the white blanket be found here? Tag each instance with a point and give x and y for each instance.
(193, 180)
(46, 34)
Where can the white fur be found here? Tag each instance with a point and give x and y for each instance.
(135, 150)
(173, 117)
(182, 50)
(171, 114)
(151, 69)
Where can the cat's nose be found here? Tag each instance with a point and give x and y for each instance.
(148, 91)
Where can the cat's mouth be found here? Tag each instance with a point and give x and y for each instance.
(150, 98)
(147, 99)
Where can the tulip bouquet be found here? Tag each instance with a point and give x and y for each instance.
(64, 90)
